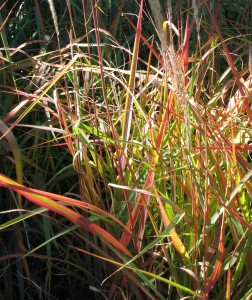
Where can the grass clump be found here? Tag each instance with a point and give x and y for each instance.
(126, 156)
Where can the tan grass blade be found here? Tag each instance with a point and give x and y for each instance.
(51, 84)
(127, 118)
(231, 63)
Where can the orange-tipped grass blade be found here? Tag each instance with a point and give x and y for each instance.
(179, 246)
(62, 210)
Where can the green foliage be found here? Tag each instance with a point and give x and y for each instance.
(125, 145)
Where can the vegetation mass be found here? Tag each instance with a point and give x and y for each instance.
(125, 167)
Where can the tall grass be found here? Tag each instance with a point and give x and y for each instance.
(125, 144)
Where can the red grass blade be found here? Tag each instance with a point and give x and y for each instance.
(218, 265)
(62, 210)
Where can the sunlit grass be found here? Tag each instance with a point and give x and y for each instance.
(126, 169)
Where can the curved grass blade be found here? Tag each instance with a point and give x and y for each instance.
(68, 213)
(142, 272)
